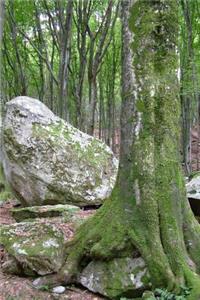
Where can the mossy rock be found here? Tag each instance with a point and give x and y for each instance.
(194, 174)
(121, 277)
(193, 188)
(33, 248)
(48, 211)
(48, 161)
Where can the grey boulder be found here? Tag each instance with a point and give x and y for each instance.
(33, 248)
(121, 277)
(48, 161)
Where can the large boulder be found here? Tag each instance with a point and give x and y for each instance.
(48, 161)
(33, 248)
(121, 277)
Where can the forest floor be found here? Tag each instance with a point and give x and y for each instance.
(20, 288)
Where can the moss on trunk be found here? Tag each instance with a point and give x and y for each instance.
(148, 209)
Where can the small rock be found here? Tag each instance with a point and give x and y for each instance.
(36, 282)
(47, 211)
(58, 289)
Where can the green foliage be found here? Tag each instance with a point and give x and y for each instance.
(44, 288)
(162, 294)
(5, 191)
(32, 56)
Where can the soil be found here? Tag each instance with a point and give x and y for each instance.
(20, 288)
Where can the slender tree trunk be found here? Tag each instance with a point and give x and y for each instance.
(95, 60)
(190, 102)
(64, 62)
(42, 48)
(83, 17)
(20, 69)
(92, 105)
(1, 87)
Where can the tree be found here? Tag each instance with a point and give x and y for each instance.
(57, 51)
(189, 81)
(96, 58)
(1, 93)
(64, 62)
(148, 209)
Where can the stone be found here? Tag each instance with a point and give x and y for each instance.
(58, 289)
(33, 248)
(193, 187)
(48, 161)
(121, 277)
(48, 211)
(193, 193)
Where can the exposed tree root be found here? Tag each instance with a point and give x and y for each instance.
(107, 235)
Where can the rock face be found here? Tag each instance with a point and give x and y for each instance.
(121, 277)
(47, 211)
(193, 187)
(33, 248)
(193, 193)
(48, 161)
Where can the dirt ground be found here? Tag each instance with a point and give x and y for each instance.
(20, 288)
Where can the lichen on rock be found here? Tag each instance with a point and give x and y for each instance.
(117, 278)
(48, 211)
(48, 161)
(33, 248)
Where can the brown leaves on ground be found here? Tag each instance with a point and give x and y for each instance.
(20, 288)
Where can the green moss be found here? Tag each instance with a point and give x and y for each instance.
(37, 247)
(33, 212)
(147, 209)
(5, 189)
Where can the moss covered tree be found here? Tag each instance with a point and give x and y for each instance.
(148, 209)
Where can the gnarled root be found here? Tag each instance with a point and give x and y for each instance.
(99, 239)
(108, 235)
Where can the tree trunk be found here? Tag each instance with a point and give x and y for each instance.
(148, 209)
(92, 105)
(190, 101)
(1, 90)
(64, 62)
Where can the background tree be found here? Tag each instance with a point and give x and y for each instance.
(58, 52)
(189, 58)
(67, 54)
(5, 192)
(1, 88)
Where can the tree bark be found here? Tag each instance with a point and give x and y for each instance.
(190, 100)
(1, 90)
(95, 60)
(83, 14)
(148, 209)
(64, 62)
